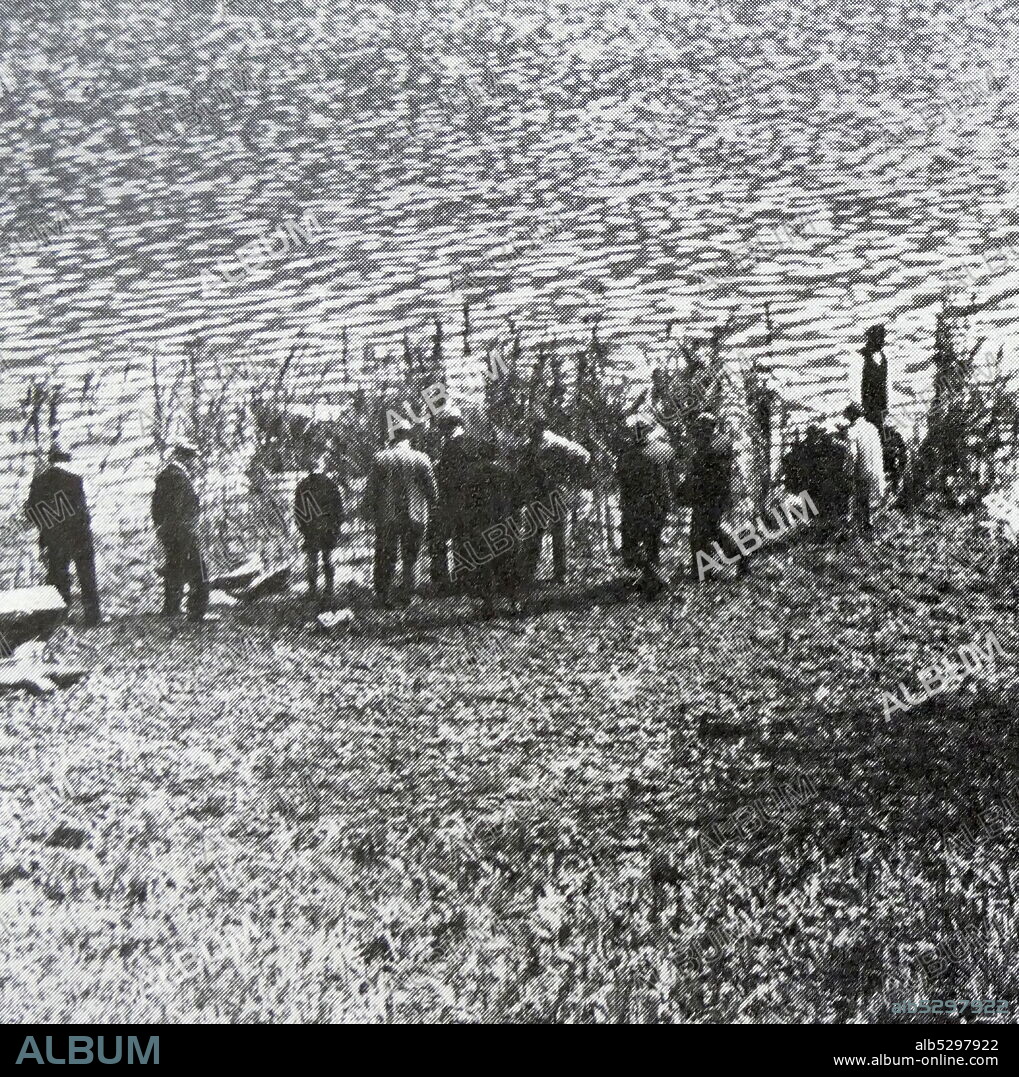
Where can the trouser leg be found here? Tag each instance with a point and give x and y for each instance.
(328, 572)
(173, 576)
(558, 530)
(653, 552)
(57, 575)
(411, 537)
(530, 557)
(438, 553)
(700, 537)
(85, 568)
(863, 518)
(198, 580)
(311, 560)
(387, 548)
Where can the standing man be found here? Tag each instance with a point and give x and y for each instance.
(645, 472)
(57, 507)
(451, 472)
(318, 510)
(175, 512)
(708, 490)
(400, 495)
(874, 377)
(538, 481)
(865, 467)
(485, 551)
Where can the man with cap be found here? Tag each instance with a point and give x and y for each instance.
(708, 490)
(645, 472)
(57, 507)
(865, 467)
(175, 513)
(400, 494)
(318, 510)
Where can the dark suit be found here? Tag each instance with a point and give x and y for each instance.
(57, 507)
(318, 509)
(708, 490)
(645, 471)
(175, 511)
(536, 483)
(874, 388)
(451, 473)
(489, 556)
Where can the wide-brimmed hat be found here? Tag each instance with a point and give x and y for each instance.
(874, 337)
(58, 454)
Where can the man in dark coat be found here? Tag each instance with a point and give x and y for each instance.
(491, 545)
(318, 510)
(708, 490)
(874, 377)
(175, 512)
(57, 507)
(645, 473)
(456, 458)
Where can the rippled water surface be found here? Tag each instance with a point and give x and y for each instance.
(547, 162)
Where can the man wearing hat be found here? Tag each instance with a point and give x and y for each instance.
(645, 470)
(57, 507)
(318, 510)
(175, 512)
(400, 494)
(865, 467)
(874, 376)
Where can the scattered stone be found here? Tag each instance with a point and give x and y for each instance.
(335, 622)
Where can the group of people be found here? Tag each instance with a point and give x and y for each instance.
(57, 507)
(480, 510)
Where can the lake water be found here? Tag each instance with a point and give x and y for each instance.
(546, 162)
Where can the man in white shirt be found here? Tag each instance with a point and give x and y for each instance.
(865, 466)
(400, 494)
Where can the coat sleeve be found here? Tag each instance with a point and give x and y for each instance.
(336, 510)
(81, 502)
(31, 505)
(161, 499)
(304, 506)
